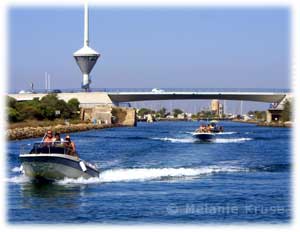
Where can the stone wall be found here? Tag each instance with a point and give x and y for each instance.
(107, 114)
(125, 116)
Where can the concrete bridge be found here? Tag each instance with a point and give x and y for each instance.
(153, 96)
(109, 98)
(91, 101)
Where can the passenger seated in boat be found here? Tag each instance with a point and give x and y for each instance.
(211, 127)
(200, 129)
(49, 137)
(57, 139)
(204, 129)
(70, 146)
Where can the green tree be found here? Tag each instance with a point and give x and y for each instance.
(31, 112)
(13, 115)
(64, 110)
(50, 105)
(73, 105)
(177, 111)
(205, 114)
(11, 102)
(144, 111)
(162, 112)
(260, 115)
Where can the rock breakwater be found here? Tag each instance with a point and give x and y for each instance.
(34, 132)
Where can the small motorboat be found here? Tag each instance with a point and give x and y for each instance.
(52, 161)
(208, 132)
(204, 136)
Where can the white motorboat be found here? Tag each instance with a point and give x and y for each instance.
(52, 161)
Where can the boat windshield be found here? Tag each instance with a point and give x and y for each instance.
(48, 148)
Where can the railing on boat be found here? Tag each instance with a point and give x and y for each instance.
(46, 148)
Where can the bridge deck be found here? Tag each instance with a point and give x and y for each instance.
(109, 97)
(148, 96)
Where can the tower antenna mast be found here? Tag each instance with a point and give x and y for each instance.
(86, 57)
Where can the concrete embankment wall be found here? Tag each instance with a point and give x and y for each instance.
(106, 114)
(131, 118)
(35, 132)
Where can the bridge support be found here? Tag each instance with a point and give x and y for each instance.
(273, 115)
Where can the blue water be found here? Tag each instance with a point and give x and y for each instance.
(157, 173)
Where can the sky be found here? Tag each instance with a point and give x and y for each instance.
(216, 47)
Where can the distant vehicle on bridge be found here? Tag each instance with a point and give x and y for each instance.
(25, 91)
(155, 90)
(55, 91)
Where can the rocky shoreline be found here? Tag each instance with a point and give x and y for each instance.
(35, 132)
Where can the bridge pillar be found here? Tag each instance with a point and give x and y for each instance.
(274, 115)
(268, 116)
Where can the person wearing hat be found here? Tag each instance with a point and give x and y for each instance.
(70, 145)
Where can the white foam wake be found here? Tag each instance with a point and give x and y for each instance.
(18, 179)
(193, 140)
(16, 169)
(232, 140)
(144, 174)
(227, 133)
(176, 140)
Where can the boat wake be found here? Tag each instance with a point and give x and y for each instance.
(16, 169)
(141, 174)
(146, 174)
(176, 140)
(157, 174)
(232, 140)
(18, 179)
(193, 140)
(227, 133)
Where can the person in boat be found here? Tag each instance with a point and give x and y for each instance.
(70, 146)
(200, 129)
(221, 129)
(58, 139)
(49, 137)
(210, 128)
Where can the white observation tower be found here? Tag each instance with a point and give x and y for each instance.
(86, 57)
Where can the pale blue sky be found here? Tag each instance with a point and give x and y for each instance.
(152, 47)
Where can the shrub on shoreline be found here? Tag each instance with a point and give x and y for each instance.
(48, 108)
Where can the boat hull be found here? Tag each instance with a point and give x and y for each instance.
(53, 167)
(206, 137)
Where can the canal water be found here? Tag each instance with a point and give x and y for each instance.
(157, 173)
